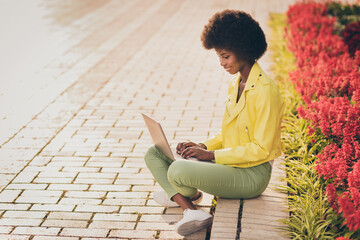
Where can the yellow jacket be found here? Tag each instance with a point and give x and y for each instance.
(250, 133)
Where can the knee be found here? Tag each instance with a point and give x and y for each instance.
(176, 171)
(151, 154)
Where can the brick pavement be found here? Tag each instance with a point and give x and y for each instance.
(75, 170)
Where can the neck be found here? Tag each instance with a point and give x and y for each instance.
(245, 71)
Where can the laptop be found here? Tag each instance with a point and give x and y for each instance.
(160, 141)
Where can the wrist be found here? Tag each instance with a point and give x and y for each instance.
(203, 146)
(212, 156)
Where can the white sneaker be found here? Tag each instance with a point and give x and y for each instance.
(163, 199)
(193, 221)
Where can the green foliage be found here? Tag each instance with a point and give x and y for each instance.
(310, 220)
(344, 13)
(310, 216)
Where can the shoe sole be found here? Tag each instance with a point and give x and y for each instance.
(193, 226)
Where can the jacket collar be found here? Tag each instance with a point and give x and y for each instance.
(253, 77)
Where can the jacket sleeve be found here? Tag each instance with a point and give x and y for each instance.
(214, 143)
(267, 107)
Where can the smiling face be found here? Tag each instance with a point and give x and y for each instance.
(229, 61)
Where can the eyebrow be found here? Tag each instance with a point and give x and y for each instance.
(223, 54)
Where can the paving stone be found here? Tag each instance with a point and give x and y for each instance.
(39, 199)
(275, 222)
(96, 175)
(173, 235)
(24, 214)
(170, 219)
(52, 207)
(141, 209)
(135, 181)
(53, 180)
(65, 223)
(41, 193)
(71, 175)
(5, 229)
(224, 235)
(125, 202)
(40, 161)
(14, 237)
(69, 216)
(54, 238)
(20, 222)
(68, 187)
(80, 201)
(17, 206)
(81, 169)
(107, 187)
(84, 232)
(93, 181)
(132, 234)
(79, 157)
(67, 164)
(260, 233)
(36, 230)
(5, 179)
(261, 216)
(112, 225)
(154, 226)
(146, 188)
(26, 186)
(42, 169)
(97, 208)
(9, 195)
(85, 194)
(134, 176)
(131, 195)
(25, 177)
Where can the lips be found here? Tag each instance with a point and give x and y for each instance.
(227, 69)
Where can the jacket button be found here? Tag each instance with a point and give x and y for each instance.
(252, 85)
(260, 74)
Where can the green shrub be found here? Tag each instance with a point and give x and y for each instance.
(344, 13)
(310, 217)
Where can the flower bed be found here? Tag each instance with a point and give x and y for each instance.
(328, 79)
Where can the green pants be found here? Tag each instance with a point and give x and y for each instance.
(186, 177)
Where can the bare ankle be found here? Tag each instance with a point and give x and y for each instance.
(196, 197)
(183, 202)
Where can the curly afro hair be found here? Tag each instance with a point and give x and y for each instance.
(235, 31)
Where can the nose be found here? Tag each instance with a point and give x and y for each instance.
(222, 62)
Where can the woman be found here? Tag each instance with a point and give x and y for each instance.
(250, 136)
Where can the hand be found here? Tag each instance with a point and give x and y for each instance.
(198, 153)
(183, 145)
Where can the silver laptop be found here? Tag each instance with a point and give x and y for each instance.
(160, 141)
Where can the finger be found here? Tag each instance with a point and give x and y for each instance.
(182, 147)
(190, 152)
(189, 144)
(179, 147)
(185, 152)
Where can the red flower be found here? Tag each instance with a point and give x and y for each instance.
(328, 79)
(343, 238)
(354, 176)
(349, 209)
